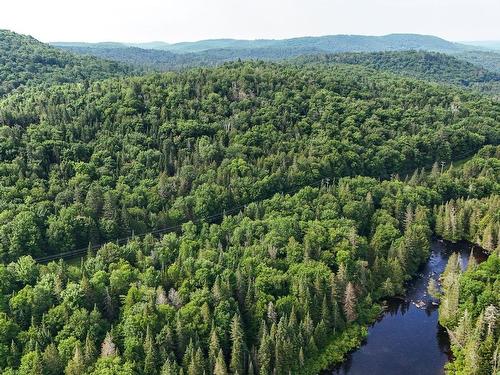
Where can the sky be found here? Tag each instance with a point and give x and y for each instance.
(189, 20)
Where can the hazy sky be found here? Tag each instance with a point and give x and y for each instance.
(188, 20)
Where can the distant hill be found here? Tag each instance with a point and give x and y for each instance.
(26, 61)
(106, 45)
(487, 59)
(152, 59)
(431, 66)
(421, 56)
(163, 56)
(329, 44)
(103, 45)
(462, 68)
(490, 44)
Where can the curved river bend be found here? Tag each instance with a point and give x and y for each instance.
(407, 339)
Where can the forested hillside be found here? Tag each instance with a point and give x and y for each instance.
(162, 56)
(24, 61)
(437, 67)
(324, 44)
(90, 164)
(281, 287)
(472, 69)
(486, 59)
(470, 300)
(160, 60)
(332, 177)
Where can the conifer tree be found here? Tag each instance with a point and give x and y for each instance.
(251, 370)
(463, 331)
(150, 357)
(89, 351)
(220, 365)
(271, 313)
(237, 350)
(181, 337)
(213, 349)
(196, 366)
(31, 363)
(13, 358)
(53, 364)
(488, 240)
(188, 355)
(108, 347)
(265, 353)
(76, 366)
(472, 262)
(170, 367)
(449, 303)
(350, 301)
(312, 348)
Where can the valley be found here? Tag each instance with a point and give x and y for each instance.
(249, 207)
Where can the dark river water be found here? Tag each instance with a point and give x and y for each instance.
(407, 339)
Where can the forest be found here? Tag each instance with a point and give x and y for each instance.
(476, 70)
(94, 163)
(26, 61)
(299, 196)
(469, 310)
(430, 66)
(321, 44)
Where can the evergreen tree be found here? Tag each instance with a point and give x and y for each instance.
(108, 347)
(213, 349)
(14, 355)
(31, 363)
(220, 365)
(350, 301)
(76, 366)
(170, 368)
(196, 366)
(90, 351)
(237, 349)
(52, 363)
(150, 359)
(265, 353)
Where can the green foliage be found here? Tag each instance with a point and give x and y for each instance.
(230, 288)
(436, 67)
(474, 220)
(84, 165)
(285, 284)
(24, 61)
(163, 56)
(473, 324)
(336, 350)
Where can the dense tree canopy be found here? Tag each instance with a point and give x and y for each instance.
(470, 309)
(333, 179)
(232, 296)
(89, 164)
(437, 67)
(283, 278)
(24, 61)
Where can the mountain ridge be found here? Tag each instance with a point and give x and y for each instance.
(328, 43)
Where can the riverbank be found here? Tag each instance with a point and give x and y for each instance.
(408, 338)
(340, 345)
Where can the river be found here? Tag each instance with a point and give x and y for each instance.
(408, 339)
